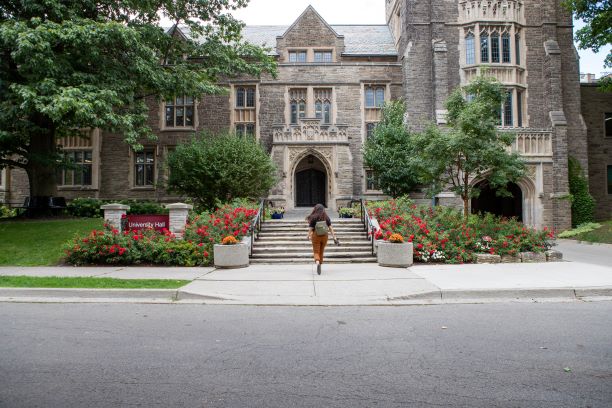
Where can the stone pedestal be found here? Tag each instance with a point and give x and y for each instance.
(231, 256)
(395, 255)
(113, 214)
(178, 217)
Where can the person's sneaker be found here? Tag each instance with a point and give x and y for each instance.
(318, 268)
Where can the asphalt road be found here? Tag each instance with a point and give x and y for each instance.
(495, 355)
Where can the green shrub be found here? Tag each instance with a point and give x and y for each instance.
(224, 167)
(581, 229)
(90, 207)
(583, 203)
(85, 207)
(6, 212)
(144, 207)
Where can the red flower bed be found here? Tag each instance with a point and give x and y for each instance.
(441, 234)
(111, 246)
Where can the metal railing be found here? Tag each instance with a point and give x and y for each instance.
(256, 225)
(368, 225)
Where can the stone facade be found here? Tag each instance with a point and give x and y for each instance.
(595, 106)
(314, 117)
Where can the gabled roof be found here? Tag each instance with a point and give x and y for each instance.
(375, 40)
(309, 9)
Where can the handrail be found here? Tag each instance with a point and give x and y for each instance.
(255, 227)
(368, 225)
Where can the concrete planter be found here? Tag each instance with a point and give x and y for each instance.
(533, 257)
(231, 256)
(510, 259)
(395, 255)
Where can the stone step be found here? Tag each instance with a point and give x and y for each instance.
(305, 229)
(292, 244)
(302, 249)
(309, 261)
(299, 235)
(308, 255)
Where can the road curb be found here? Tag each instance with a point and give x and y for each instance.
(81, 293)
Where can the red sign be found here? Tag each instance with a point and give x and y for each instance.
(141, 222)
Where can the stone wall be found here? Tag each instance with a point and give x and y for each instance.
(594, 105)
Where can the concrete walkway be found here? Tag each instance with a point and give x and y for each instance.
(348, 284)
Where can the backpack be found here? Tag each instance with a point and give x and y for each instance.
(321, 228)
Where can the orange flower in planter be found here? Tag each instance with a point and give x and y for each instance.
(396, 239)
(229, 240)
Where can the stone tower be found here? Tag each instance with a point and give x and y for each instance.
(528, 46)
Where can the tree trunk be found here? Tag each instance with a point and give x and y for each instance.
(41, 165)
(466, 207)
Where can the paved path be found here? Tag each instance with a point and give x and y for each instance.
(597, 254)
(345, 284)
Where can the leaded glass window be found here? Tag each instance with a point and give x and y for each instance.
(180, 112)
(470, 51)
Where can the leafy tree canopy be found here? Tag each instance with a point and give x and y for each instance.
(471, 147)
(597, 32)
(225, 167)
(389, 152)
(69, 65)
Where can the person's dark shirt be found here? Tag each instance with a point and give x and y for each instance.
(314, 222)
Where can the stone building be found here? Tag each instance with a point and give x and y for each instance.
(333, 79)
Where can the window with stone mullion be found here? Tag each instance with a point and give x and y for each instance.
(323, 104)
(79, 170)
(180, 112)
(484, 47)
(297, 102)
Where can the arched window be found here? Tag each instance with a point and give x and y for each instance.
(297, 101)
(470, 50)
(323, 97)
(327, 112)
(506, 48)
(495, 47)
(484, 47)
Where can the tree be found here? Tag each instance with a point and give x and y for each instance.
(66, 66)
(389, 152)
(220, 167)
(597, 32)
(470, 148)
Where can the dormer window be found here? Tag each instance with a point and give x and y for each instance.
(297, 56)
(323, 56)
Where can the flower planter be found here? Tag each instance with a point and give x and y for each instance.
(395, 255)
(231, 256)
(277, 216)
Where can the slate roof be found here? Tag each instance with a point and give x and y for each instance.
(358, 39)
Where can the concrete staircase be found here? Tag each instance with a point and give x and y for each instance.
(285, 241)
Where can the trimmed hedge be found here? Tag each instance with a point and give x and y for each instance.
(90, 207)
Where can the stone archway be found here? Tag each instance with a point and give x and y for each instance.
(310, 182)
(489, 202)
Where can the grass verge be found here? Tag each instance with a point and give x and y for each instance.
(600, 235)
(39, 243)
(88, 283)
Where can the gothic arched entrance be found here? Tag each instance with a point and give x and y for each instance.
(310, 182)
(489, 202)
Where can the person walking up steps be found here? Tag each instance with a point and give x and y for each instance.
(319, 225)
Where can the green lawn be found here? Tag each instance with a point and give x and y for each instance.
(602, 235)
(39, 243)
(89, 283)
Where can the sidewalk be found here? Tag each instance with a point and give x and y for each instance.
(340, 284)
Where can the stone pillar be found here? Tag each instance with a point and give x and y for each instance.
(178, 217)
(113, 214)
